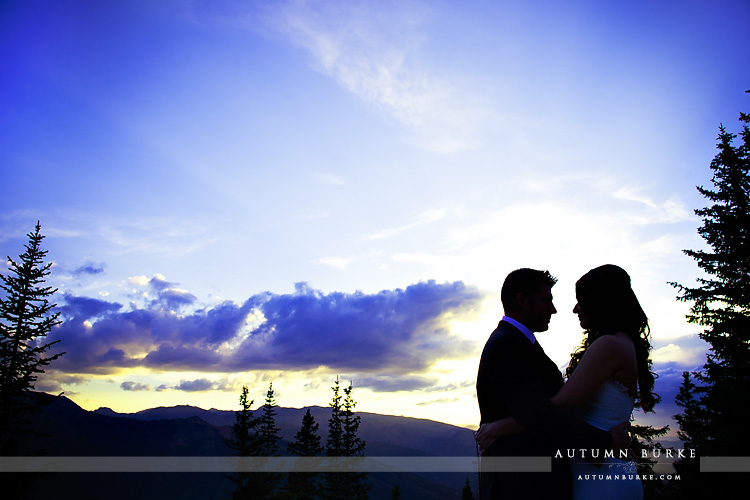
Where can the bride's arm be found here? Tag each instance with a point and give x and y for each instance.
(489, 433)
(601, 360)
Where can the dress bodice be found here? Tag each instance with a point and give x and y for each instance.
(610, 405)
(613, 479)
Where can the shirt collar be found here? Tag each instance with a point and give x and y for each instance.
(528, 333)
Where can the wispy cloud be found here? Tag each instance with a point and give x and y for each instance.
(328, 178)
(667, 211)
(426, 217)
(372, 49)
(337, 262)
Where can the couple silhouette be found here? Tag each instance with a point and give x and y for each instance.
(528, 409)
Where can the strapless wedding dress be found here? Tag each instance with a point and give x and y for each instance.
(616, 479)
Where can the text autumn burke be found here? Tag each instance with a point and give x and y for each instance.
(624, 454)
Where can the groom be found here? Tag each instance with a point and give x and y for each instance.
(516, 378)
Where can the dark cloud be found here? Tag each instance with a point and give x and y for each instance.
(183, 358)
(393, 332)
(89, 269)
(399, 330)
(134, 386)
(174, 299)
(201, 384)
(79, 309)
(168, 296)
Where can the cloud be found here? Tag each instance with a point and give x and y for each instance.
(138, 281)
(392, 384)
(199, 385)
(387, 334)
(686, 351)
(166, 293)
(328, 178)
(373, 50)
(669, 211)
(337, 262)
(89, 269)
(84, 308)
(426, 217)
(685, 354)
(134, 386)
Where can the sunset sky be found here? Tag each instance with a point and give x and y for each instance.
(237, 193)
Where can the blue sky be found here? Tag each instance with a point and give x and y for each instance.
(244, 192)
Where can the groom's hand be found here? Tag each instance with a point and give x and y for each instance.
(621, 439)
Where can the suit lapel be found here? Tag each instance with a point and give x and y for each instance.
(552, 376)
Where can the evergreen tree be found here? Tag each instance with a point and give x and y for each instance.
(268, 432)
(26, 318)
(466, 493)
(643, 439)
(245, 442)
(303, 485)
(396, 493)
(268, 445)
(333, 482)
(714, 399)
(306, 441)
(343, 442)
(335, 439)
(358, 486)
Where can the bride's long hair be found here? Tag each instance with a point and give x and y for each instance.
(606, 298)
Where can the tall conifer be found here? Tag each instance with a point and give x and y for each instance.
(343, 442)
(268, 483)
(26, 318)
(245, 443)
(715, 398)
(303, 485)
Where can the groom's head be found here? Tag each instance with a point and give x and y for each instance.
(527, 297)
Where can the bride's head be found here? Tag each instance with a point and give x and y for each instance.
(607, 305)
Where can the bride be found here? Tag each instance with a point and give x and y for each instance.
(608, 375)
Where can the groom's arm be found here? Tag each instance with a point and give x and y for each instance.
(523, 390)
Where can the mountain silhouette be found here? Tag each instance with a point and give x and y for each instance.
(65, 429)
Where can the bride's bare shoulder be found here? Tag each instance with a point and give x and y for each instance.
(611, 345)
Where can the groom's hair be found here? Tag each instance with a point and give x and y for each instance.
(526, 281)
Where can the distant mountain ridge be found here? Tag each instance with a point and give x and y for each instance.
(427, 437)
(65, 429)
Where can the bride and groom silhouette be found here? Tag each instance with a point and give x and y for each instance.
(528, 409)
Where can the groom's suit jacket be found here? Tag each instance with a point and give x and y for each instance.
(516, 378)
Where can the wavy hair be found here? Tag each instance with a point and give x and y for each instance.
(604, 294)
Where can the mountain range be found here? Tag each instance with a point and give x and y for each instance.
(65, 429)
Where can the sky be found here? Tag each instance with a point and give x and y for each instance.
(244, 193)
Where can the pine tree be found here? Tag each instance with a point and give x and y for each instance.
(343, 442)
(306, 441)
(268, 445)
(358, 486)
(245, 442)
(335, 439)
(303, 485)
(714, 398)
(26, 318)
(466, 493)
(333, 482)
(396, 493)
(643, 437)
(268, 432)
